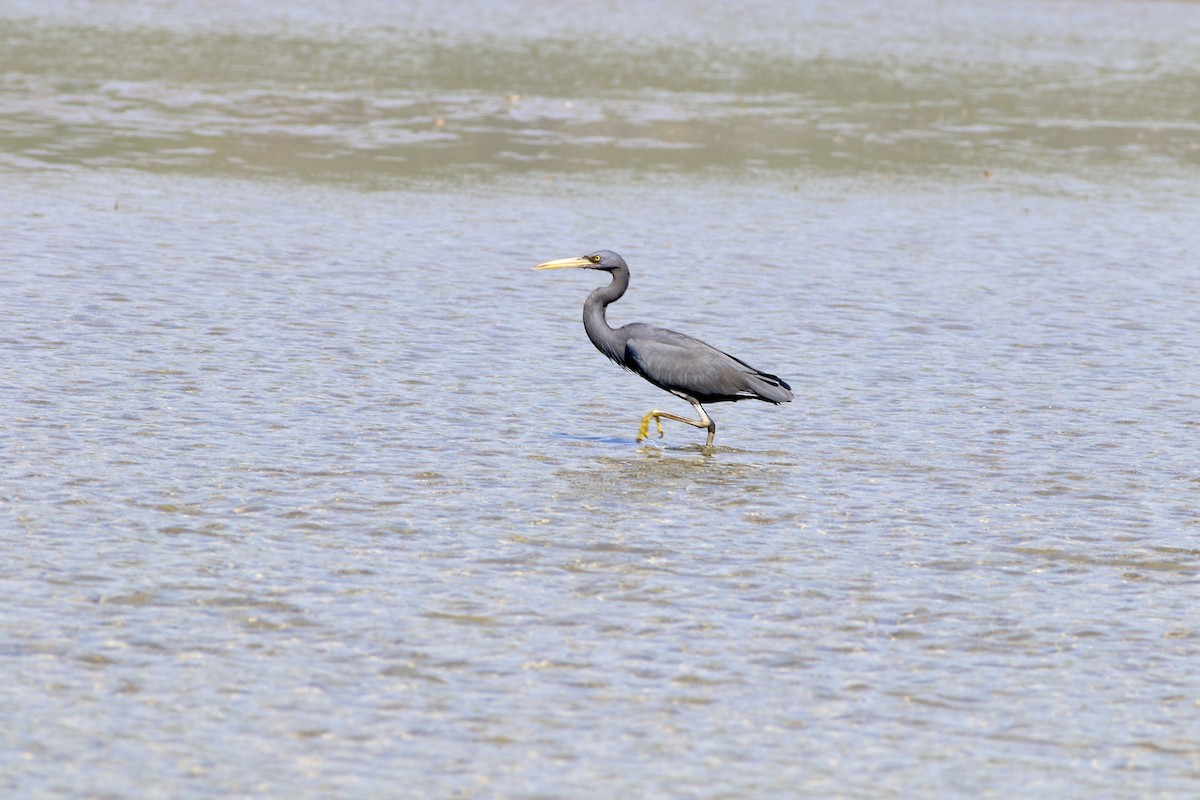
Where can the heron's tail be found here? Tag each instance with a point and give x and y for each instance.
(771, 388)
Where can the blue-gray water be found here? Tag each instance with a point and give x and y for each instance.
(311, 487)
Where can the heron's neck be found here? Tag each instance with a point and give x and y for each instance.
(607, 340)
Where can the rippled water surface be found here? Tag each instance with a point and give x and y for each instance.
(311, 487)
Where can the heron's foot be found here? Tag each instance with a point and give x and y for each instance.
(644, 430)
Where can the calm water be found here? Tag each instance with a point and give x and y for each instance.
(311, 487)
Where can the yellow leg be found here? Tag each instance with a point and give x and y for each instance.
(644, 430)
(656, 415)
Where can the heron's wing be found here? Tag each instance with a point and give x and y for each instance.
(677, 362)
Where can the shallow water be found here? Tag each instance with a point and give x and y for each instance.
(312, 487)
(370, 92)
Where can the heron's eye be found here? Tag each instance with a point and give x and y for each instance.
(595, 259)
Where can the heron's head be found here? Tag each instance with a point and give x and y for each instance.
(601, 259)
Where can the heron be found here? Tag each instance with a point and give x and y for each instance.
(686, 367)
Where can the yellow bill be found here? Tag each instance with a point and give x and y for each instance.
(565, 263)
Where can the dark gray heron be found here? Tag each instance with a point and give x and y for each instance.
(686, 367)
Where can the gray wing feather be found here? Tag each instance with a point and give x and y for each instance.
(677, 362)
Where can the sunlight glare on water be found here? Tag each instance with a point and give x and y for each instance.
(312, 487)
